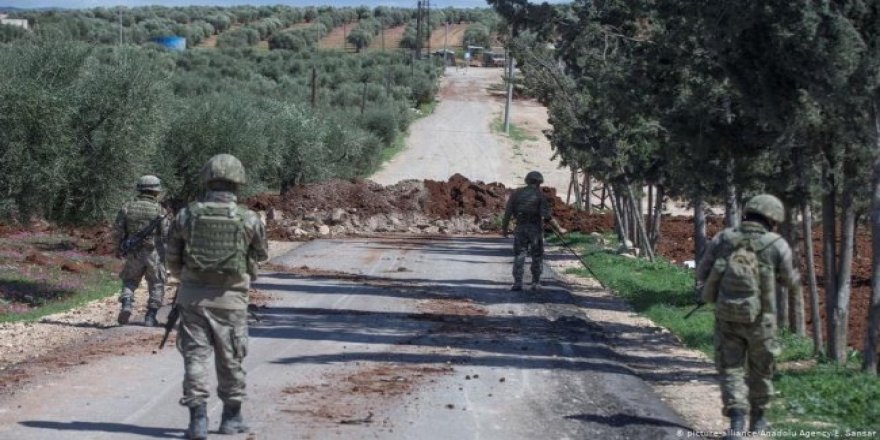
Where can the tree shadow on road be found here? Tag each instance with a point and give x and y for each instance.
(620, 420)
(105, 427)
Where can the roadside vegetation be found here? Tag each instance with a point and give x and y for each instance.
(712, 104)
(812, 396)
(50, 272)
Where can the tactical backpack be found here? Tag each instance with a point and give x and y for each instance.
(737, 280)
(217, 238)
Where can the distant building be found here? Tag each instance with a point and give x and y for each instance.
(174, 43)
(22, 23)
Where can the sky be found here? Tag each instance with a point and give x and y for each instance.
(76, 4)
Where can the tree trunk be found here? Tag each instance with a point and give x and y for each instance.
(869, 354)
(844, 274)
(619, 217)
(818, 345)
(649, 220)
(658, 217)
(640, 224)
(699, 229)
(731, 206)
(829, 256)
(797, 322)
(588, 192)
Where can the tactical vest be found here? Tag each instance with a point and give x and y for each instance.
(741, 280)
(138, 215)
(527, 207)
(217, 238)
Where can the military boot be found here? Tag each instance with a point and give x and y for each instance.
(198, 423)
(517, 286)
(737, 424)
(232, 422)
(124, 311)
(536, 286)
(757, 421)
(150, 318)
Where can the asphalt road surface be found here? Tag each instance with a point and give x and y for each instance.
(425, 341)
(457, 138)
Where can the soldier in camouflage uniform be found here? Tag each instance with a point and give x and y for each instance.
(746, 344)
(146, 259)
(530, 208)
(213, 249)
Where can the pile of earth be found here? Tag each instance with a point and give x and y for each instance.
(352, 207)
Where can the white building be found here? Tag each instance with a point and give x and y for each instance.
(14, 21)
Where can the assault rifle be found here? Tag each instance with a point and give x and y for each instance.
(578, 256)
(173, 316)
(138, 237)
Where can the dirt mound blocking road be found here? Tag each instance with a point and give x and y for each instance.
(351, 207)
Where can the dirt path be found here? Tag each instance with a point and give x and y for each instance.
(458, 138)
(335, 39)
(391, 338)
(453, 40)
(392, 39)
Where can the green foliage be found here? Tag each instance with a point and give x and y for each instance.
(78, 123)
(70, 117)
(826, 397)
(820, 397)
(237, 38)
(477, 34)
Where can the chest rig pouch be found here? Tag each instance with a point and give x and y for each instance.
(216, 239)
(139, 214)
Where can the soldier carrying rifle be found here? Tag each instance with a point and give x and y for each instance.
(139, 233)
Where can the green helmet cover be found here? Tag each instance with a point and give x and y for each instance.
(534, 177)
(149, 183)
(224, 167)
(767, 206)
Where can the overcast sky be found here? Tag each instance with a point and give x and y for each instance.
(95, 3)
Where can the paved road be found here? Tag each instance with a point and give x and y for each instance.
(427, 343)
(457, 138)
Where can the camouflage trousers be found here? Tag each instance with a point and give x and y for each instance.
(745, 358)
(144, 263)
(528, 240)
(205, 330)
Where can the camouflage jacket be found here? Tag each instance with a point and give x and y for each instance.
(528, 205)
(777, 256)
(215, 290)
(122, 229)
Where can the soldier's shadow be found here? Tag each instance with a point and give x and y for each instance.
(105, 427)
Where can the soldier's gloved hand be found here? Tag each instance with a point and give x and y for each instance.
(698, 296)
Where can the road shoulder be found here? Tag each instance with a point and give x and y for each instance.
(683, 378)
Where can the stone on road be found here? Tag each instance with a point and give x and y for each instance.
(389, 338)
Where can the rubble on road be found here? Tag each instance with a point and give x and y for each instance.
(356, 207)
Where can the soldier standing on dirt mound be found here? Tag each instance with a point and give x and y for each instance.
(213, 249)
(145, 258)
(739, 273)
(530, 208)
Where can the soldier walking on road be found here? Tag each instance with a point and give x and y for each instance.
(739, 273)
(531, 209)
(145, 258)
(213, 249)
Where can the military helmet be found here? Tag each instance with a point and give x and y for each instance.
(149, 183)
(223, 167)
(534, 177)
(767, 206)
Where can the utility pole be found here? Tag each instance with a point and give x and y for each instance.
(511, 63)
(419, 30)
(119, 13)
(314, 97)
(446, 44)
(344, 34)
(428, 28)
